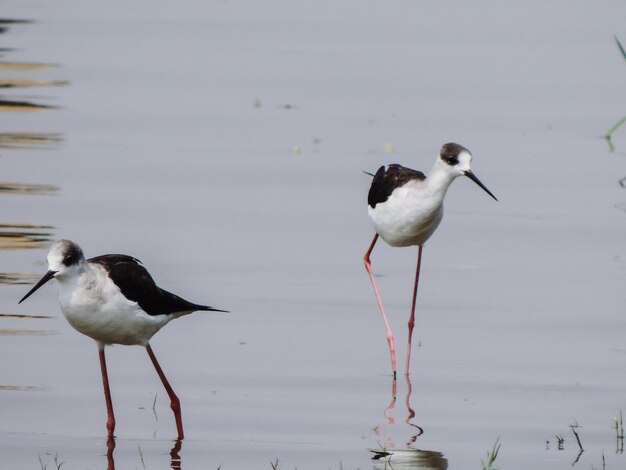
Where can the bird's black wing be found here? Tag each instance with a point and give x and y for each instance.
(137, 285)
(386, 180)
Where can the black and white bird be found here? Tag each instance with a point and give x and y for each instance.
(406, 208)
(114, 300)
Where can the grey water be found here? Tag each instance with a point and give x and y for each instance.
(223, 142)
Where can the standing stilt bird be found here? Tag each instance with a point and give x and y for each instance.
(406, 208)
(114, 300)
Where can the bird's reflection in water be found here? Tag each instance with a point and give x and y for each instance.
(110, 449)
(416, 431)
(408, 459)
(388, 456)
(389, 420)
(175, 460)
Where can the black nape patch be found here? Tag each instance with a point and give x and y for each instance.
(385, 181)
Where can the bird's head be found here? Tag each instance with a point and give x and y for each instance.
(65, 259)
(455, 161)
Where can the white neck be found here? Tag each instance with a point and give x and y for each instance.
(439, 179)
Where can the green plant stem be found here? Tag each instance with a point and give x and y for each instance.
(609, 134)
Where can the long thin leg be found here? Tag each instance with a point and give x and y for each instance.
(175, 402)
(412, 317)
(107, 391)
(368, 266)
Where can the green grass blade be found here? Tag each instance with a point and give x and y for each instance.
(619, 44)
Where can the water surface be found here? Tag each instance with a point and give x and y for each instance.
(223, 144)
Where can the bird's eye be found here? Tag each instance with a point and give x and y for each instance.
(451, 159)
(68, 260)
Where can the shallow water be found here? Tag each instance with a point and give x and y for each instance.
(222, 144)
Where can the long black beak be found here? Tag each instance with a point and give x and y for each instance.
(46, 277)
(475, 179)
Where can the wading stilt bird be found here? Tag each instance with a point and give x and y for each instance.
(406, 208)
(113, 300)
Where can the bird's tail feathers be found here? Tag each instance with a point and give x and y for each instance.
(211, 309)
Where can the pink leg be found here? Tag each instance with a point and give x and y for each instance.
(107, 391)
(368, 266)
(412, 317)
(175, 402)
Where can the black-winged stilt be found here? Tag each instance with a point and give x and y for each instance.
(406, 208)
(114, 300)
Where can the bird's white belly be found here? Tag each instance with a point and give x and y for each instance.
(402, 222)
(105, 315)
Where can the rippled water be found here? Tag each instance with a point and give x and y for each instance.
(223, 144)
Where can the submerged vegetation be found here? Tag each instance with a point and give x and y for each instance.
(620, 122)
(618, 425)
(53, 459)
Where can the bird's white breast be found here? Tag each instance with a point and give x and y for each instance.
(96, 307)
(409, 216)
